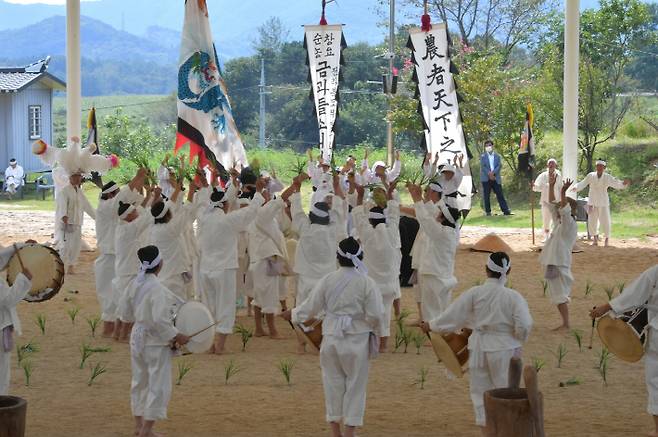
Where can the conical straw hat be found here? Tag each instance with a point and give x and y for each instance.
(620, 339)
(491, 243)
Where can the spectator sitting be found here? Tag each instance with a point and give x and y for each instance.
(14, 178)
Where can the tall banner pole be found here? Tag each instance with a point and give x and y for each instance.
(532, 211)
(73, 85)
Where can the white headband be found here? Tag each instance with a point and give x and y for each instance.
(145, 265)
(491, 265)
(110, 189)
(601, 162)
(551, 160)
(164, 211)
(354, 257)
(436, 187)
(217, 204)
(319, 212)
(243, 201)
(377, 216)
(127, 212)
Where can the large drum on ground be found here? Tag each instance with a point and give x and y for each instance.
(452, 351)
(46, 267)
(191, 318)
(625, 335)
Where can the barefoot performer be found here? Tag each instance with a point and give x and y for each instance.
(354, 311)
(643, 291)
(556, 256)
(146, 304)
(9, 321)
(501, 323)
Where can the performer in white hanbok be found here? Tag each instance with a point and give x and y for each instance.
(598, 203)
(9, 321)
(321, 178)
(353, 313)
(377, 233)
(437, 262)
(14, 178)
(131, 232)
(268, 258)
(447, 176)
(642, 292)
(146, 305)
(379, 172)
(556, 256)
(74, 204)
(501, 323)
(219, 228)
(541, 185)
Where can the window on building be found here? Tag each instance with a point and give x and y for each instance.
(34, 114)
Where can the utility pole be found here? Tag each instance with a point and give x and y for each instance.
(261, 131)
(73, 84)
(570, 97)
(389, 87)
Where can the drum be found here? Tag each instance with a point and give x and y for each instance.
(625, 335)
(312, 332)
(191, 318)
(46, 267)
(452, 351)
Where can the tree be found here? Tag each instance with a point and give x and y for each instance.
(271, 36)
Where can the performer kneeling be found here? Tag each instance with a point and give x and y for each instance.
(9, 298)
(146, 305)
(643, 291)
(501, 323)
(354, 311)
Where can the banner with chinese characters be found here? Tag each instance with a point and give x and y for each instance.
(324, 45)
(439, 102)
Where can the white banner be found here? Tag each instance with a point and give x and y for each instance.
(439, 102)
(324, 45)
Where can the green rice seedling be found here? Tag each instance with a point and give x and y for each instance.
(286, 366)
(407, 337)
(245, 335)
(419, 339)
(27, 371)
(398, 341)
(96, 371)
(560, 354)
(422, 377)
(544, 286)
(298, 167)
(86, 351)
(574, 380)
(412, 175)
(184, 368)
(589, 287)
(604, 363)
(538, 363)
(23, 351)
(621, 286)
(578, 336)
(609, 291)
(93, 324)
(231, 369)
(41, 323)
(73, 312)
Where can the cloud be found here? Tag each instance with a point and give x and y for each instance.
(43, 2)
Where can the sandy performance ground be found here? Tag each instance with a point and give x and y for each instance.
(258, 402)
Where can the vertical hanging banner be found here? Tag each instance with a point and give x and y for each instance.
(439, 102)
(324, 44)
(205, 119)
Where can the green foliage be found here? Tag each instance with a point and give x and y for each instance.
(26, 365)
(93, 323)
(604, 364)
(231, 369)
(538, 363)
(96, 371)
(245, 335)
(286, 366)
(560, 354)
(72, 313)
(422, 377)
(184, 368)
(589, 287)
(419, 338)
(25, 350)
(544, 286)
(87, 351)
(578, 336)
(609, 291)
(41, 323)
(574, 380)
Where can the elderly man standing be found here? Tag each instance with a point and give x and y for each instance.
(490, 167)
(541, 185)
(598, 205)
(14, 176)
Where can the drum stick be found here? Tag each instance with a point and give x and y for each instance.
(591, 335)
(203, 330)
(18, 255)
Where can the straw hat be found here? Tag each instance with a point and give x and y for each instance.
(620, 339)
(492, 243)
(451, 350)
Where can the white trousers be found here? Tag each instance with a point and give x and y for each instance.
(120, 286)
(560, 287)
(284, 286)
(546, 216)
(5, 370)
(266, 288)
(70, 246)
(344, 363)
(104, 274)
(436, 294)
(388, 295)
(150, 388)
(651, 372)
(492, 375)
(598, 219)
(245, 280)
(220, 289)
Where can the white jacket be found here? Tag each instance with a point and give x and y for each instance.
(598, 188)
(74, 204)
(558, 247)
(643, 290)
(129, 238)
(541, 185)
(438, 257)
(265, 238)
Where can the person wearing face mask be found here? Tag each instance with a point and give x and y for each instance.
(490, 166)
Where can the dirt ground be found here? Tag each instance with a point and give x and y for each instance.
(258, 402)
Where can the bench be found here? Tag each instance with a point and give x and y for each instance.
(44, 183)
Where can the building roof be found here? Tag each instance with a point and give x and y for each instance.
(15, 79)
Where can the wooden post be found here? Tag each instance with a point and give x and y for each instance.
(532, 212)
